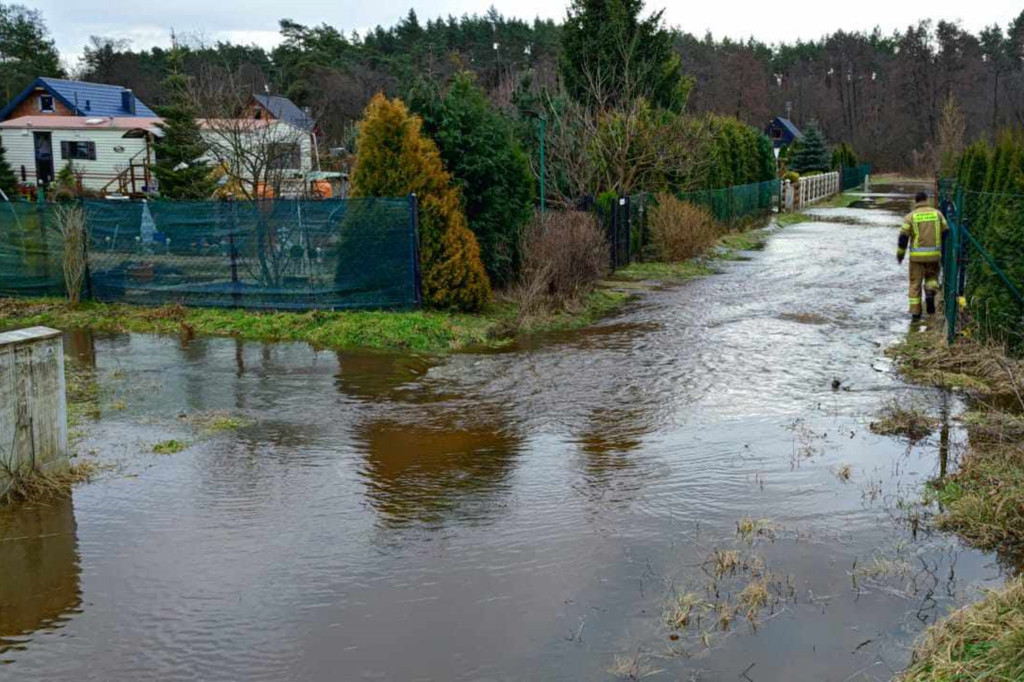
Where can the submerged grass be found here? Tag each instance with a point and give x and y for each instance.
(169, 447)
(908, 421)
(24, 484)
(844, 200)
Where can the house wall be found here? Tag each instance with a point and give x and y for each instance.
(252, 107)
(20, 152)
(30, 107)
(221, 143)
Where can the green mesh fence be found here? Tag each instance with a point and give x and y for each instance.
(983, 263)
(31, 250)
(278, 254)
(735, 203)
(853, 176)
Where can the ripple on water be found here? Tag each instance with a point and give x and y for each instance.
(401, 517)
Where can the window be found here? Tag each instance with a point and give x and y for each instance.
(83, 151)
(284, 156)
(46, 103)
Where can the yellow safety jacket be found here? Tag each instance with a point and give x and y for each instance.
(923, 229)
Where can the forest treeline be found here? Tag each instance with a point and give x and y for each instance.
(884, 93)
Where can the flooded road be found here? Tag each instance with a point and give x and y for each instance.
(677, 493)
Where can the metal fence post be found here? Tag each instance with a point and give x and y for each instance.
(85, 249)
(414, 227)
(629, 228)
(233, 255)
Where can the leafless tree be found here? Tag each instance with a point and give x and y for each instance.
(259, 156)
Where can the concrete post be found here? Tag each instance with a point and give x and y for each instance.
(33, 404)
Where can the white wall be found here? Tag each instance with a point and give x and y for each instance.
(221, 143)
(20, 151)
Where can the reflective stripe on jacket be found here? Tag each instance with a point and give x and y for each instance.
(923, 227)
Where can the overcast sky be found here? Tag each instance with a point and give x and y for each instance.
(149, 23)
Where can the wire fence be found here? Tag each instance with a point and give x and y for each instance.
(853, 176)
(983, 263)
(286, 254)
(731, 204)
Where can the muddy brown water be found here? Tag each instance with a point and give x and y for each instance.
(530, 513)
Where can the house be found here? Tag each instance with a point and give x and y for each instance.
(271, 143)
(106, 135)
(277, 108)
(103, 131)
(272, 157)
(108, 154)
(783, 132)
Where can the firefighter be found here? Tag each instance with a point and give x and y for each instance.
(922, 233)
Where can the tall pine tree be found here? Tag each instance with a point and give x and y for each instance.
(611, 56)
(178, 169)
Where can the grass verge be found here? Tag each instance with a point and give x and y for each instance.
(983, 502)
(663, 272)
(415, 330)
(983, 641)
(795, 218)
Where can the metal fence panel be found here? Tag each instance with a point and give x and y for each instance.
(283, 254)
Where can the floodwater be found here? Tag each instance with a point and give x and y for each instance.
(533, 513)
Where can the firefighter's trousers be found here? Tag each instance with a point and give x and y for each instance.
(924, 275)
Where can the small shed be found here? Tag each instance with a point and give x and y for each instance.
(783, 132)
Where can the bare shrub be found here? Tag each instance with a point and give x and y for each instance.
(565, 254)
(681, 230)
(71, 222)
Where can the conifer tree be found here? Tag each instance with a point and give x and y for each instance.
(843, 156)
(178, 169)
(478, 147)
(813, 154)
(395, 159)
(8, 180)
(611, 55)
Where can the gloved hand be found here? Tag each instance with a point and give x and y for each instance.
(899, 259)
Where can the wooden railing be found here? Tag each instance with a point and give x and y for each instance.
(135, 178)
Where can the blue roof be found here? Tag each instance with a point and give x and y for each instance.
(85, 99)
(791, 127)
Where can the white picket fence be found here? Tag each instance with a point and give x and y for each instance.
(810, 190)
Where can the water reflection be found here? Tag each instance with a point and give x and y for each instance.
(80, 344)
(609, 446)
(431, 472)
(375, 376)
(39, 566)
